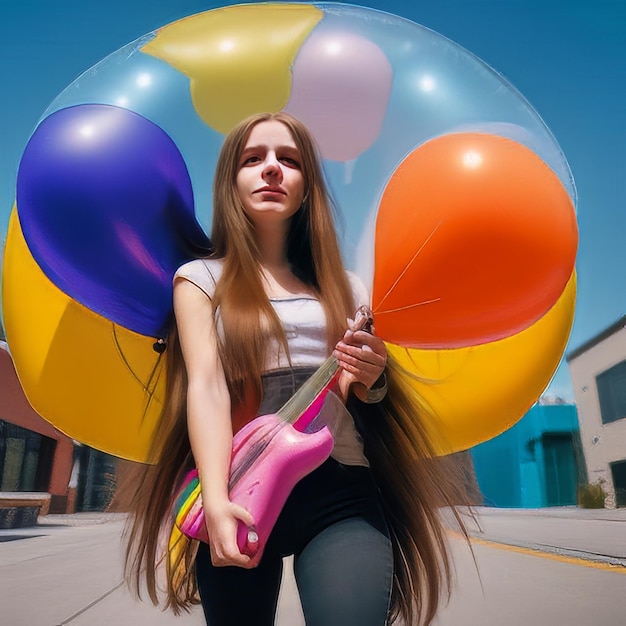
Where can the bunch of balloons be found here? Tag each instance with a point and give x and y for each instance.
(457, 208)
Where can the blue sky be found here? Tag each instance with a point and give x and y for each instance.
(567, 57)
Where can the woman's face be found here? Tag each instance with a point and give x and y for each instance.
(270, 182)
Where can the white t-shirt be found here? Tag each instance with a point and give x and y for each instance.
(304, 321)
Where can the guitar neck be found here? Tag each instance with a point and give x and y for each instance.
(324, 377)
(320, 380)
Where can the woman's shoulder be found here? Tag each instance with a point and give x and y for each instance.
(204, 273)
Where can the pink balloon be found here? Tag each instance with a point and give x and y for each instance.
(341, 87)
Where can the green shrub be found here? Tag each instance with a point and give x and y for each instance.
(592, 495)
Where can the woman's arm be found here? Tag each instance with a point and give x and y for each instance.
(209, 421)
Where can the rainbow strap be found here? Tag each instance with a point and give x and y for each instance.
(189, 517)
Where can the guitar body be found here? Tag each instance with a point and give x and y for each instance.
(269, 457)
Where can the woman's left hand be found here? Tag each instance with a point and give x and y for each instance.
(362, 357)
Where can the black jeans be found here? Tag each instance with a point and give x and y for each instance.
(334, 526)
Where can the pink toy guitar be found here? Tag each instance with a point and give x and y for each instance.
(270, 455)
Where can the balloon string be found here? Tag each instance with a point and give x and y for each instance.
(405, 270)
(408, 306)
(124, 360)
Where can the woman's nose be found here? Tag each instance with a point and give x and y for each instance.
(272, 168)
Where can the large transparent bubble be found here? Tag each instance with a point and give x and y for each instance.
(455, 203)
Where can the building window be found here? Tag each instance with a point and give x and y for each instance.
(612, 393)
(618, 471)
(25, 459)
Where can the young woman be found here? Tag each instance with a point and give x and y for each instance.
(253, 321)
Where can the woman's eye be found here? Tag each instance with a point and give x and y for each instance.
(291, 162)
(251, 159)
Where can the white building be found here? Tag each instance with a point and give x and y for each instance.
(598, 371)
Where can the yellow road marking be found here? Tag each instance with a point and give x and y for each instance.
(572, 560)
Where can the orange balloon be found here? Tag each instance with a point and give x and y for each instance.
(475, 241)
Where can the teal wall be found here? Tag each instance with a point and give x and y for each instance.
(533, 464)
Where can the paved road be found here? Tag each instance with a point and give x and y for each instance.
(67, 571)
(520, 587)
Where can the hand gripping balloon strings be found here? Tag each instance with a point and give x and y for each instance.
(270, 455)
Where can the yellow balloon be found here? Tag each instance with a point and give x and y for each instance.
(238, 58)
(86, 375)
(473, 394)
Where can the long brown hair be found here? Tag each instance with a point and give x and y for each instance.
(423, 494)
(312, 252)
(415, 485)
(314, 255)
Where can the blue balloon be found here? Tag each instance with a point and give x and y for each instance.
(106, 207)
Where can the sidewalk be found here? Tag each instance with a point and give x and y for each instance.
(67, 570)
(592, 534)
(566, 512)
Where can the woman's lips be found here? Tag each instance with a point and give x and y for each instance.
(269, 189)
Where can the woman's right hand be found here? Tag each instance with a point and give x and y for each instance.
(222, 521)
